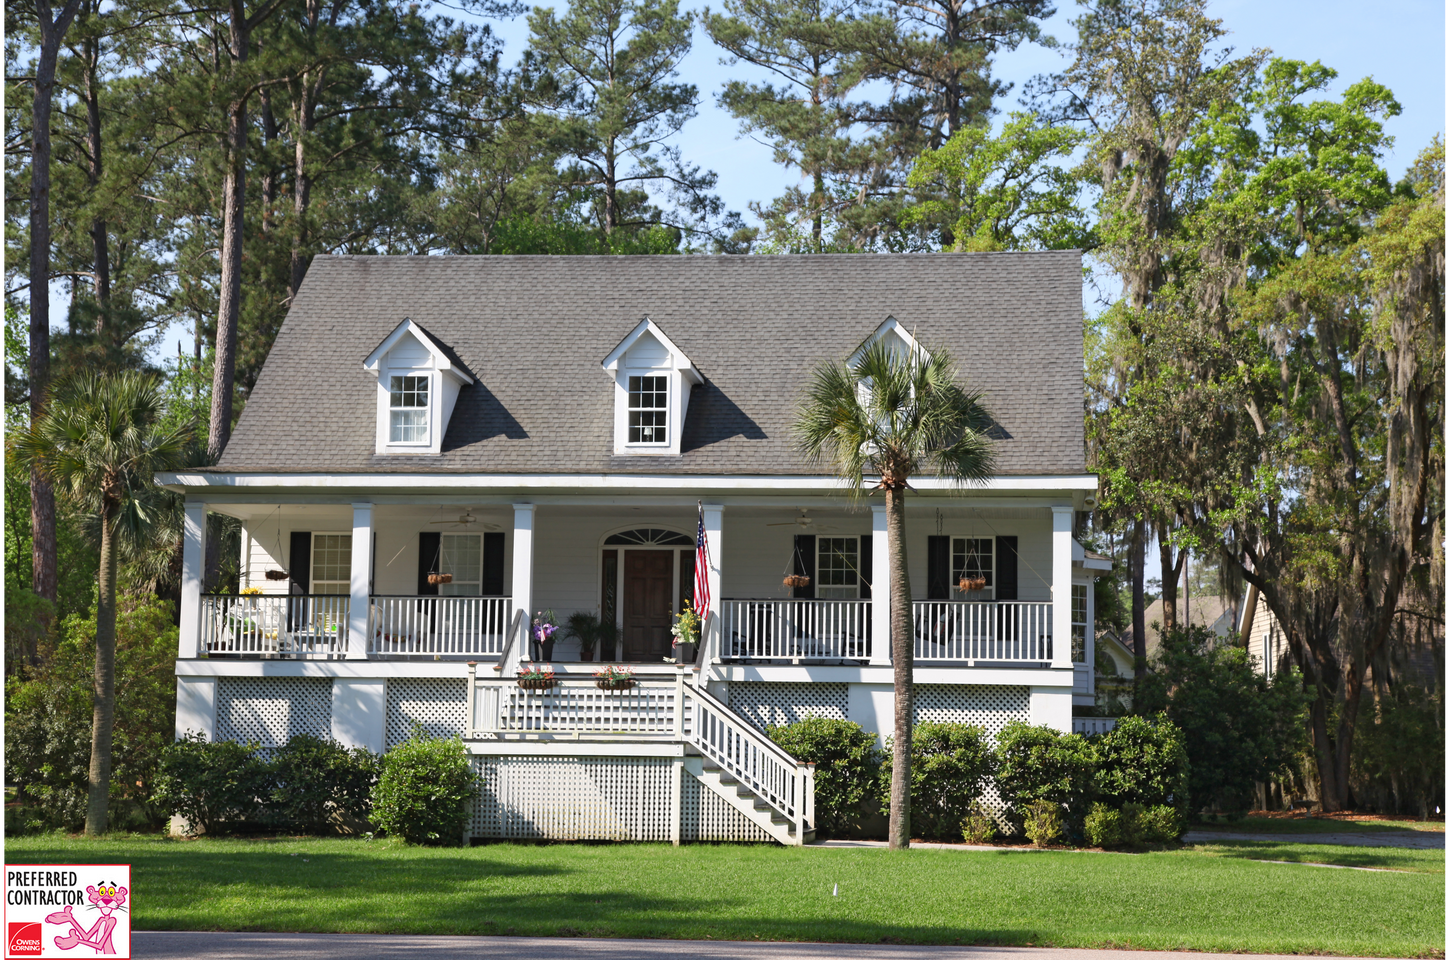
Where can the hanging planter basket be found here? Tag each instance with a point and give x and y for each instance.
(437, 578)
(277, 575)
(614, 684)
(972, 583)
(795, 580)
(537, 683)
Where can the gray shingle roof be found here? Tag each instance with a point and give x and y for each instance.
(534, 330)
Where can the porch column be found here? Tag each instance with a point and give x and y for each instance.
(360, 605)
(714, 530)
(193, 563)
(880, 588)
(523, 516)
(1061, 517)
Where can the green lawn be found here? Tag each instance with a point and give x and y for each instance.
(1381, 858)
(1318, 825)
(1189, 899)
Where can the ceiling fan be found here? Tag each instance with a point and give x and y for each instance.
(804, 521)
(466, 519)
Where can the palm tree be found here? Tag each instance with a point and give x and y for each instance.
(98, 443)
(895, 414)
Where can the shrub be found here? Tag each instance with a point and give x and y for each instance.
(213, 785)
(48, 721)
(317, 779)
(424, 791)
(979, 826)
(949, 766)
(1042, 822)
(1040, 763)
(1238, 728)
(1132, 825)
(1142, 761)
(847, 768)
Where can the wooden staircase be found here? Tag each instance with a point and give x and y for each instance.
(750, 805)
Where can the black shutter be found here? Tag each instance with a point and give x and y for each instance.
(300, 565)
(493, 564)
(804, 564)
(867, 566)
(1007, 582)
(429, 548)
(937, 577)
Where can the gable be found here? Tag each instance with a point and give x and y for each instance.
(532, 331)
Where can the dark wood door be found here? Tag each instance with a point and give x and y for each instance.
(648, 594)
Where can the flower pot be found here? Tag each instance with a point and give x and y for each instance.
(585, 654)
(541, 650)
(795, 580)
(277, 575)
(537, 683)
(686, 652)
(972, 583)
(614, 684)
(437, 578)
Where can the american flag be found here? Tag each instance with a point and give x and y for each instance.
(701, 568)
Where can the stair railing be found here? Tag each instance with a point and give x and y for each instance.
(504, 663)
(750, 757)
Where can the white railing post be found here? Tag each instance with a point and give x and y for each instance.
(714, 531)
(679, 701)
(471, 726)
(523, 519)
(361, 587)
(193, 561)
(799, 787)
(809, 795)
(880, 598)
(1059, 625)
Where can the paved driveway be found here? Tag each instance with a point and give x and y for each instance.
(329, 946)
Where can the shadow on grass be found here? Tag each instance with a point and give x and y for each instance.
(1378, 858)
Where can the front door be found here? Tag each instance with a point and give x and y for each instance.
(648, 593)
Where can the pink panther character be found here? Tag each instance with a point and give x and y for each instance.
(107, 898)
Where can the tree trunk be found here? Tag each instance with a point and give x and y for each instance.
(902, 653)
(100, 244)
(44, 575)
(233, 199)
(104, 713)
(1138, 605)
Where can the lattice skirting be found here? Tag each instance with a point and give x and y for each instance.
(777, 704)
(988, 707)
(272, 710)
(598, 798)
(438, 705)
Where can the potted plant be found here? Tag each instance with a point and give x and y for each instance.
(686, 635)
(591, 633)
(613, 677)
(534, 677)
(544, 626)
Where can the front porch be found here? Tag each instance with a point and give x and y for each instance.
(457, 582)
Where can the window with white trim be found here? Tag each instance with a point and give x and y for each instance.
(837, 568)
(408, 403)
(462, 556)
(331, 563)
(648, 409)
(1078, 622)
(972, 558)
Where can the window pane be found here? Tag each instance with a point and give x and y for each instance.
(409, 391)
(648, 400)
(838, 568)
(409, 426)
(972, 557)
(462, 556)
(331, 563)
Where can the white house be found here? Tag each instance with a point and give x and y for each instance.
(544, 432)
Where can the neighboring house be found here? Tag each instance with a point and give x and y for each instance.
(1217, 614)
(544, 433)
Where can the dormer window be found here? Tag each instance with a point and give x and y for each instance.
(648, 409)
(418, 380)
(652, 379)
(408, 410)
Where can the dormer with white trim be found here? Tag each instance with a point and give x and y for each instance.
(417, 387)
(652, 381)
(895, 335)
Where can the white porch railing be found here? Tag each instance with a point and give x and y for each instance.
(1092, 725)
(436, 626)
(795, 629)
(285, 626)
(1004, 631)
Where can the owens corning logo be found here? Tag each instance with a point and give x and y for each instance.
(23, 940)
